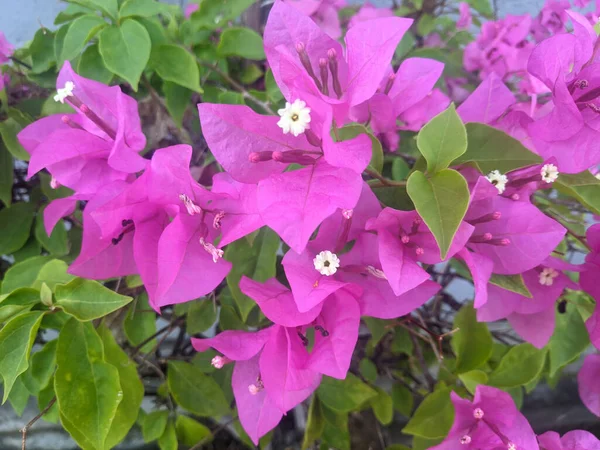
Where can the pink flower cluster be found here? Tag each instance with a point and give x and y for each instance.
(287, 172)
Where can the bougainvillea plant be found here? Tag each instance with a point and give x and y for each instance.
(255, 216)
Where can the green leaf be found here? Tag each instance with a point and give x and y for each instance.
(407, 43)
(92, 66)
(518, 367)
(272, 88)
(442, 140)
(195, 391)
(15, 224)
(46, 295)
(19, 396)
(491, 149)
(217, 14)
(52, 274)
(125, 50)
(87, 388)
(23, 274)
(79, 33)
(140, 323)
(168, 441)
(202, 314)
(141, 8)
(108, 7)
(88, 300)
(434, 416)
(583, 186)
(472, 343)
(420, 443)
(335, 432)
(482, 6)
(403, 399)
(41, 368)
(57, 243)
(395, 197)
(6, 175)
(20, 297)
(351, 131)
(16, 340)
(42, 51)
(400, 169)
(344, 395)
(315, 423)
(250, 74)
(442, 202)
(177, 99)
(569, 340)
(402, 342)
(174, 63)
(257, 261)
(513, 283)
(383, 406)
(9, 130)
(241, 41)
(190, 432)
(69, 13)
(132, 388)
(368, 370)
(154, 425)
(155, 30)
(472, 379)
(45, 396)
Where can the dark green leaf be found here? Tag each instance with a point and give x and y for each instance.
(41, 369)
(140, 323)
(400, 169)
(492, 149)
(434, 416)
(42, 51)
(45, 396)
(87, 388)
(383, 406)
(19, 396)
(315, 423)
(9, 130)
(56, 243)
(195, 391)
(442, 140)
(201, 316)
(344, 395)
(335, 432)
(518, 367)
(16, 340)
(6, 175)
(177, 99)
(395, 197)
(569, 340)
(231, 98)
(472, 343)
(125, 50)
(154, 425)
(403, 399)
(92, 66)
(513, 283)
(176, 64)
(442, 202)
(87, 299)
(583, 186)
(190, 432)
(15, 224)
(241, 41)
(368, 370)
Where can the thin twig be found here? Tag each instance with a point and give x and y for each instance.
(237, 86)
(21, 63)
(222, 426)
(34, 420)
(164, 329)
(384, 181)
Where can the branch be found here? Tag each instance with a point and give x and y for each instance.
(384, 181)
(34, 420)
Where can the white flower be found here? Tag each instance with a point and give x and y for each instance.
(549, 173)
(295, 118)
(497, 179)
(326, 263)
(547, 276)
(597, 175)
(67, 91)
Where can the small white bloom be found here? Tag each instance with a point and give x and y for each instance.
(497, 179)
(597, 175)
(295, 118)
(67, 91)
(549, 173)
(547, 276)
(326, 263)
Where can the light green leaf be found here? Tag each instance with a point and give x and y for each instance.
(583, 186)
(256, 261)
(442, 202)
(351, 131)
(87, 300)
(132, 388)
(190, 432)
(368, 370)
(23, 274)
(92, 66)
(241, 41)
(383, 406)
(518, 367)
(41, 368)
(79, 33)
(15, 224)
(177, 99)
(42, 51)
(125, 50)
(168, 441)
(19, 396)
(16, 340)
(472, 379)
(569, 340)
(216, 14)
(201, 316)
(53, 273)
(141, 8)
(57, 243)
(70, 12)
(513, 283)
(6, 175)
(108, 7)
(9, 130)
(344, 395)
(154, 425)
(472, 343)
(176, 64)
(491, 149)
(442, 140)
(140, 323)
(87, 388)
(45, 396)
(482, 6)
(315, 423)
(434, 416)
(195, 391)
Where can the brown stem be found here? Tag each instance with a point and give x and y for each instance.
(34, 420)
(384, 181)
